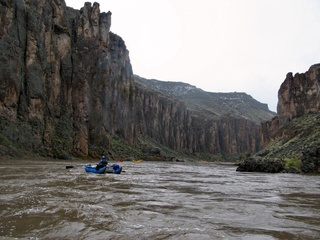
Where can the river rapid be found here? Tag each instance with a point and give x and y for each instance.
(41, 199)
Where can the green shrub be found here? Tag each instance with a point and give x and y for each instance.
(294, 163)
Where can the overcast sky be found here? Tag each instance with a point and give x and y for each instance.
(219, 45)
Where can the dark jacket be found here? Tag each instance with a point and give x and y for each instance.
(103, 161)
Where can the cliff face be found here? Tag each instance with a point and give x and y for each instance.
(295, 132)
(171, 123)
(185, 117)
(64, 72)
(298, 95)
(69, 80)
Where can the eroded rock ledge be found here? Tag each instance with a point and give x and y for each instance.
(258, 164)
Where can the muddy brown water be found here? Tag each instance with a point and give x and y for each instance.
(41, 199)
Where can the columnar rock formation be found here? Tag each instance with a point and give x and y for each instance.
(298, 95)
(70, 79)
(171, 123)
(64, 71)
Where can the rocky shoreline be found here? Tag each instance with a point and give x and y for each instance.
(310, 162)
(258, 164)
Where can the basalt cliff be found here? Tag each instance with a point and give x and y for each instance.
(292, 138)
(67, 88)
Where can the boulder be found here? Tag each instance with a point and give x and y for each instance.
(257, 164)
(310, 159)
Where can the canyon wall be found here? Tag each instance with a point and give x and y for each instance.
(172, 123)
(65, 73)
(298, 95)
(292, 138)
(69, 80)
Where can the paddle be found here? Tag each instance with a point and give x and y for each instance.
(68, 167)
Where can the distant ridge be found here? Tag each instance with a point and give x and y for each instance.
(215, 105)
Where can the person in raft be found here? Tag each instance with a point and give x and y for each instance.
(103, 162)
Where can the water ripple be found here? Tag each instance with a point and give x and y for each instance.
(155, 201)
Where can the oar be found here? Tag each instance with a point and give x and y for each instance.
(68, 167)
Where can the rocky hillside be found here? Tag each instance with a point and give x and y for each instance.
(213, 105)
(298, 96)
(67, 88)
(294, 134)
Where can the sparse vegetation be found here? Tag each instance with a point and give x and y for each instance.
(299, 136)
(211, 104)
(294, 137)
(16, 138)
(293, 163)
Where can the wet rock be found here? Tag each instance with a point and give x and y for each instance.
(291, 170)
(257, 164)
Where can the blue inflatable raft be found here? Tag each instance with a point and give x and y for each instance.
(114, 168)
(92, 169)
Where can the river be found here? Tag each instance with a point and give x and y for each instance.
(41, 199)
